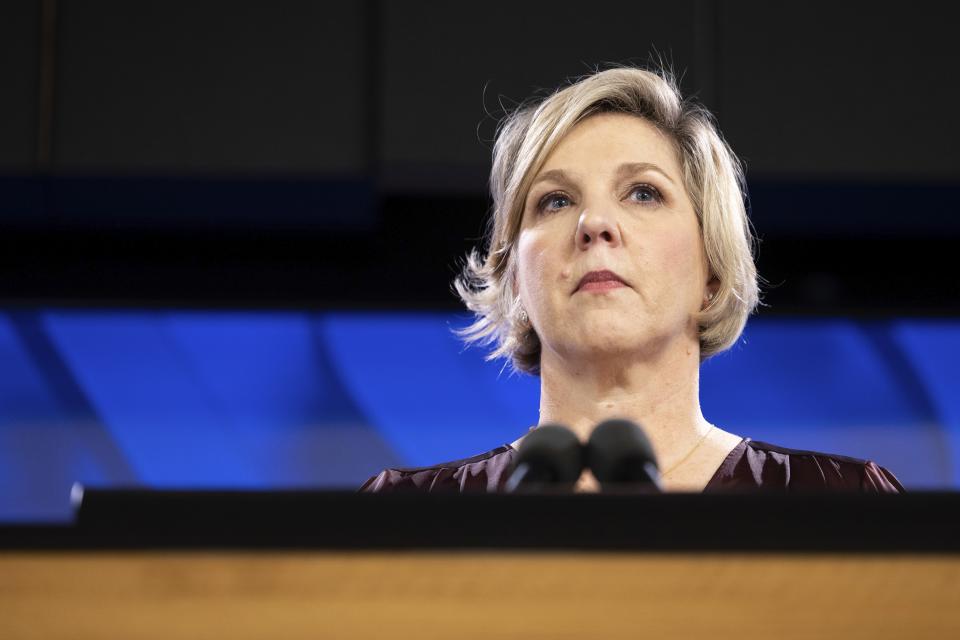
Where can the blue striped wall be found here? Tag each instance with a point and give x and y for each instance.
(300, 399)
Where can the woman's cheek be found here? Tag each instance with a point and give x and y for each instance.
(682, 255)
(538, 286)
(528, 269)
(531, 257)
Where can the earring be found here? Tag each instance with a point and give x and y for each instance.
(710, 296)
(523, 317)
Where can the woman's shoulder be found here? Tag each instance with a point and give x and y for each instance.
(485, 472)
(761, 465)
(751, 465)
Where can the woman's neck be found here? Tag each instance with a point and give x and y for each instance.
(659, 393)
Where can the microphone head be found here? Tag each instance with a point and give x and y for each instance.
(620, 452)
(552, 454)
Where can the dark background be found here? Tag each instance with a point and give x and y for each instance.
(228, 230)
(329, 154)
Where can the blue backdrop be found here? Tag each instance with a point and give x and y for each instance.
(301, 399)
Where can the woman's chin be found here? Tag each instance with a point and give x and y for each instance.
(610, 342)
(604, 346)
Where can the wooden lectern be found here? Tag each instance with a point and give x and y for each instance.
(236, 565)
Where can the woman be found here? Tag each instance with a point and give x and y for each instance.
(618, 260)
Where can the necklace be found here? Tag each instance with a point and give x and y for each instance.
(690, 453)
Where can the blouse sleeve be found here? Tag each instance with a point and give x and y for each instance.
(391, 480)
(374, 483)
(877, 479)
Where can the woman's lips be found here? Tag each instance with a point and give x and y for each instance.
(602, 285)
(600, 280)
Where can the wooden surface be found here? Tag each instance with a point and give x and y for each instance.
(484, 595)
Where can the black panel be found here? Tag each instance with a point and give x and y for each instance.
(445, 62)
(220, 86)
(632, 519)
(112, 203)
(230, 153)
(410, 259)
(855, 209)
(19, 71)
(846, 90)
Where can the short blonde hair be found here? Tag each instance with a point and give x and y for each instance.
(712, 175)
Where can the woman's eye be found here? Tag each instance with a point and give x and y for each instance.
(645, 194)
(553, 202)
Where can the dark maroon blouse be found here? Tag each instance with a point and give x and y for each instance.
(751, 465)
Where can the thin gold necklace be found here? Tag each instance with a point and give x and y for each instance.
(690, 453)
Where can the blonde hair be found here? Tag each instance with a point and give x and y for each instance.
(712, 176)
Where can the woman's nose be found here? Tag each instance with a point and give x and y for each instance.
(594, 228)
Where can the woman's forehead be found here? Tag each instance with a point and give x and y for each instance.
(611, 143)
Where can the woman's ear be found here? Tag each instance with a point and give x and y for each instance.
(710, 292)
(713, 286)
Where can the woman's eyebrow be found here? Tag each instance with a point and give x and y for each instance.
(624, 170)
(631, 168)
(557, 175)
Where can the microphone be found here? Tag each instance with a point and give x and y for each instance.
(619, 453)
(548, 455)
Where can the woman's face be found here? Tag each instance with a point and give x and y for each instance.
(610, 197)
